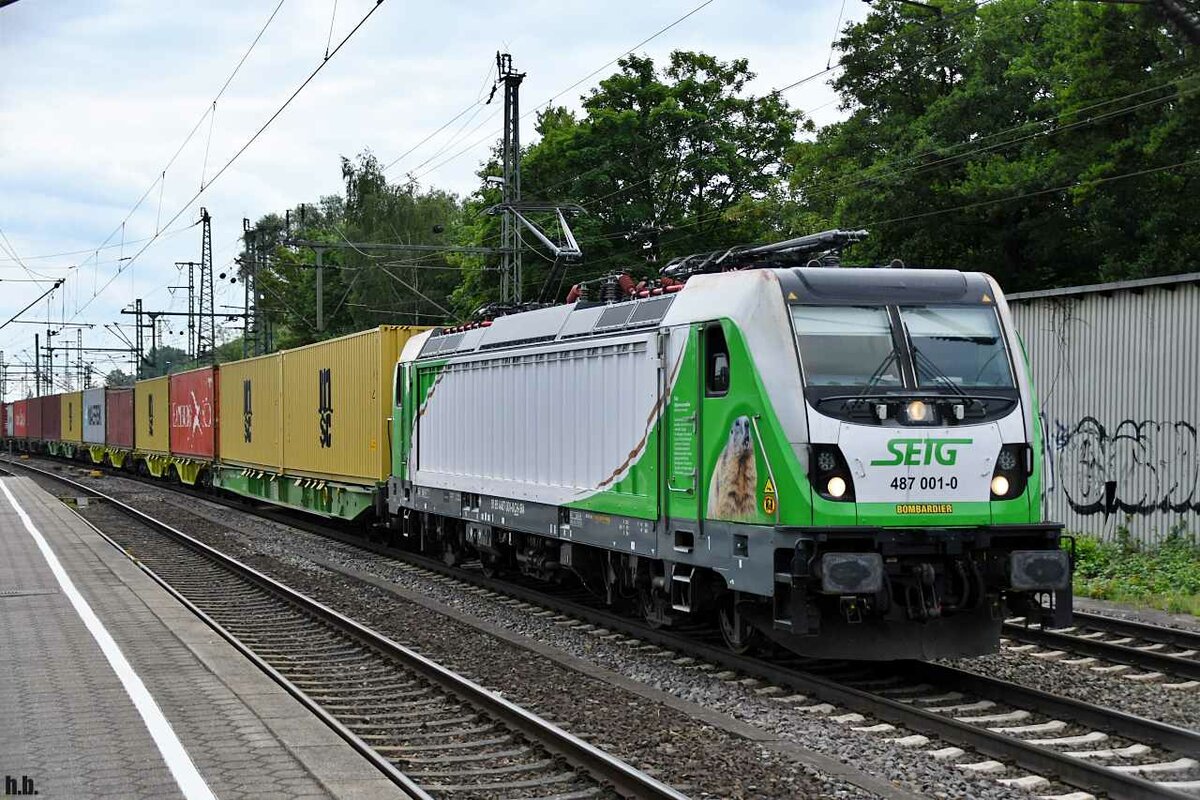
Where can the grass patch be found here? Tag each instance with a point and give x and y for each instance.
(1166, 576)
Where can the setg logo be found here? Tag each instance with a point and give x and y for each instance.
(247, 411)
(325, 406)
(150, 412)
(917, 452)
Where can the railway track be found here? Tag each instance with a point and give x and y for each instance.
(1022, 736)
(1115, 646)
(435, 733)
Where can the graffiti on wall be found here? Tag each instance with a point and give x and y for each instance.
(1136, 467)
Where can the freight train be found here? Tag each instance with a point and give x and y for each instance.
(846, 462)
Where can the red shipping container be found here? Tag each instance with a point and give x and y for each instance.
(24, 419)
(118, 418)
(52, 418)
(18, 420)
(33, 419)
(3, 420)
(194, 413)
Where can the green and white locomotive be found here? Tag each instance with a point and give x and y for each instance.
(845, 460)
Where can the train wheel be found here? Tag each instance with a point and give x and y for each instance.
(651, 605)
(740, 636)
(490, 565)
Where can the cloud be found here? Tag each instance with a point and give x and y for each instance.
(94, 100)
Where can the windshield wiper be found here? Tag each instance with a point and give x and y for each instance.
(931, 365)
(876, 377)
(938, 374)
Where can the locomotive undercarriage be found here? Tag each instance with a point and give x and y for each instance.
(664, 594)
(937, 594)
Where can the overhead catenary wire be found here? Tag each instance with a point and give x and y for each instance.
(475, 104)
(232, 159)
(546, 103)
(208, 109)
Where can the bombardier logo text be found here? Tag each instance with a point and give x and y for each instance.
(914, 452)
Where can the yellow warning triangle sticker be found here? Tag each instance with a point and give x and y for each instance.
(987, 299)
(770, 487)
(792, 296)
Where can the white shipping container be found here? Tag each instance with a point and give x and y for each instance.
(8, 420)
(93, 416)
(1116, 367)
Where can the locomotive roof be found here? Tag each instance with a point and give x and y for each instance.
(706, 296)
(882, 286)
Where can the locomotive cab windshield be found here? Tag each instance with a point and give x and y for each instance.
(869, 363)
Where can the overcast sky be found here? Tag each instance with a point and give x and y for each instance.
(96, 98)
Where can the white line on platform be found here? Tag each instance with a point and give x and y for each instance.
(191, 783)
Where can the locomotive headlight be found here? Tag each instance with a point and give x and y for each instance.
(917, 411)
(829, 474)
(1010, 477)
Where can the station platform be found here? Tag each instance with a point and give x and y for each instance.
(109, 687)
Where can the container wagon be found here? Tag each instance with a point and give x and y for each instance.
(251, 409)
(152, 426)
(193, 422)
(328, 432)
(118, 425)
(94, 407)
(33, 422)
(52, 424)
(70, 431)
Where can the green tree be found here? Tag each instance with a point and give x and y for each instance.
(960, 127)
(360, 288)
(664, 161)
(164, 360)
(117, 379)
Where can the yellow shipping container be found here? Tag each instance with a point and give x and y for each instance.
(152, 416)
(251, 406)
(71, 405)
(336, 405)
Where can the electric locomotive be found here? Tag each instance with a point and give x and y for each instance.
(846, 461)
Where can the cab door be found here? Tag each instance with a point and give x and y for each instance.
(681, 434)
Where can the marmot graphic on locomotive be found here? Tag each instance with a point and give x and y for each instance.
(845, 460)
(732, 489)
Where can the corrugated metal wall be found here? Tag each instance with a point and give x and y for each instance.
(337, 405)
(1118, 378)
(71, 408)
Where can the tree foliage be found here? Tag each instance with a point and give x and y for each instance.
(963, 128)
(1048, 143)
(117, 379)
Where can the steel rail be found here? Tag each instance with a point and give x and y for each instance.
(624, 778)
(1118, 653)
(1142, 630)
(1075, 771)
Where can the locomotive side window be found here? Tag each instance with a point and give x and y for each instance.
(397, 386)
(716, 361)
